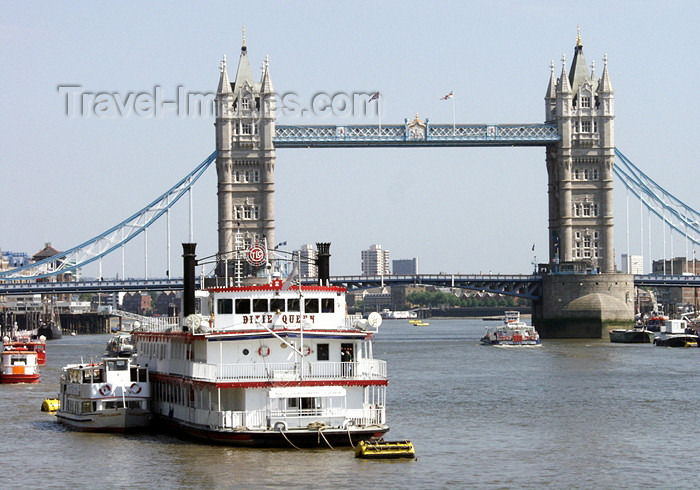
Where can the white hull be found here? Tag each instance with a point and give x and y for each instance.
(115, 420)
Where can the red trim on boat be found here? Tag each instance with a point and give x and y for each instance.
(270, 384)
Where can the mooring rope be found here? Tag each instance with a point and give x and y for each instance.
(320, 431)
(350, 438)
(290, 442)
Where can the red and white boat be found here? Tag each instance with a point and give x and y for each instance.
(19, 365)
(512, 333)
(19, 340)
(266, 365)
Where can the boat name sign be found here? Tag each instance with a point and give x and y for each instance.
(286, 319)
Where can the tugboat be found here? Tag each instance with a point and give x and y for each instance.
(513, 332)
(272, 364)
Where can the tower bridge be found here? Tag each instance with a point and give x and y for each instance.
(577, 136)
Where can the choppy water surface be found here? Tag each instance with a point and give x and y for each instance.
(578, 414)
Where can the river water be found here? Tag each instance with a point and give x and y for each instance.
(572, 413)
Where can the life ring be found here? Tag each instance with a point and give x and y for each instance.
(307, 351)
(135, 388)
(107, 388)
(264, 351)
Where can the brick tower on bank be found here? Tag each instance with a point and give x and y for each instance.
(584, 296)
(245, 165)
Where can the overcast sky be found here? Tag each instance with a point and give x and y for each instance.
(68, 177)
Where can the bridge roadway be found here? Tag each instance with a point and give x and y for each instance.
(522, 286)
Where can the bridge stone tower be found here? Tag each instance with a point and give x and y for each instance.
(245, 165)
(580, 167)
(592, 297)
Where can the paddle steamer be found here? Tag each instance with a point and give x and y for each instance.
(273, 364)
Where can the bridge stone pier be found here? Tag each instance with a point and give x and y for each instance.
(583, 305)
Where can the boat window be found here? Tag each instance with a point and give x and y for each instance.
(224, 306)
(242, 306)
(322, 352)
(74, 375)
(118, 365)
(327, 305)
(260, 305)
(293, 304)
(277, 304)
(311, 305)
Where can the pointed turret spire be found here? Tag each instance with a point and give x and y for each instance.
(563, 86)
(243, 74)
(552, 88)
(224, 84)
(266, 81)
(605, 85)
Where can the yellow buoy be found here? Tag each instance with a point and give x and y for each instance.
(385, 450)
(50, 405)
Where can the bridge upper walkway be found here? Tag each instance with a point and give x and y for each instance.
(522, 286)
(400, 135)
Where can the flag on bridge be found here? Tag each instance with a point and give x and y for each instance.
(374, 96)
(448, 96)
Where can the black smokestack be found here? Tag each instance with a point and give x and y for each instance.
(188, 263)
(324, 263)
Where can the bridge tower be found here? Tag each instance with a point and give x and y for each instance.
(592, 298)
(580, 167)
(245, 165)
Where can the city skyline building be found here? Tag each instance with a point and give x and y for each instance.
(405, 266)
(375, 261)
(632, 264)
(308, 261)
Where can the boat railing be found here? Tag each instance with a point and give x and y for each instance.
(266, 419)
(364, 369)
(282, 371)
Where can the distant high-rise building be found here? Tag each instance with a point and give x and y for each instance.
(632, 264)
(405, 266)
(375, 261)
(308, 265)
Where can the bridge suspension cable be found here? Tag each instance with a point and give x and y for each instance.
(671, 210)
(111, 239)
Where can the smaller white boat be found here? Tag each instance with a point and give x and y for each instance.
(120, 345)
(110, 396)
(513, 332)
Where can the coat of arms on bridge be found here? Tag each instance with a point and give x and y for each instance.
(416, 130)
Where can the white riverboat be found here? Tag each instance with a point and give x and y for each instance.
(109, 396)
(266, 365)
(513, 332)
